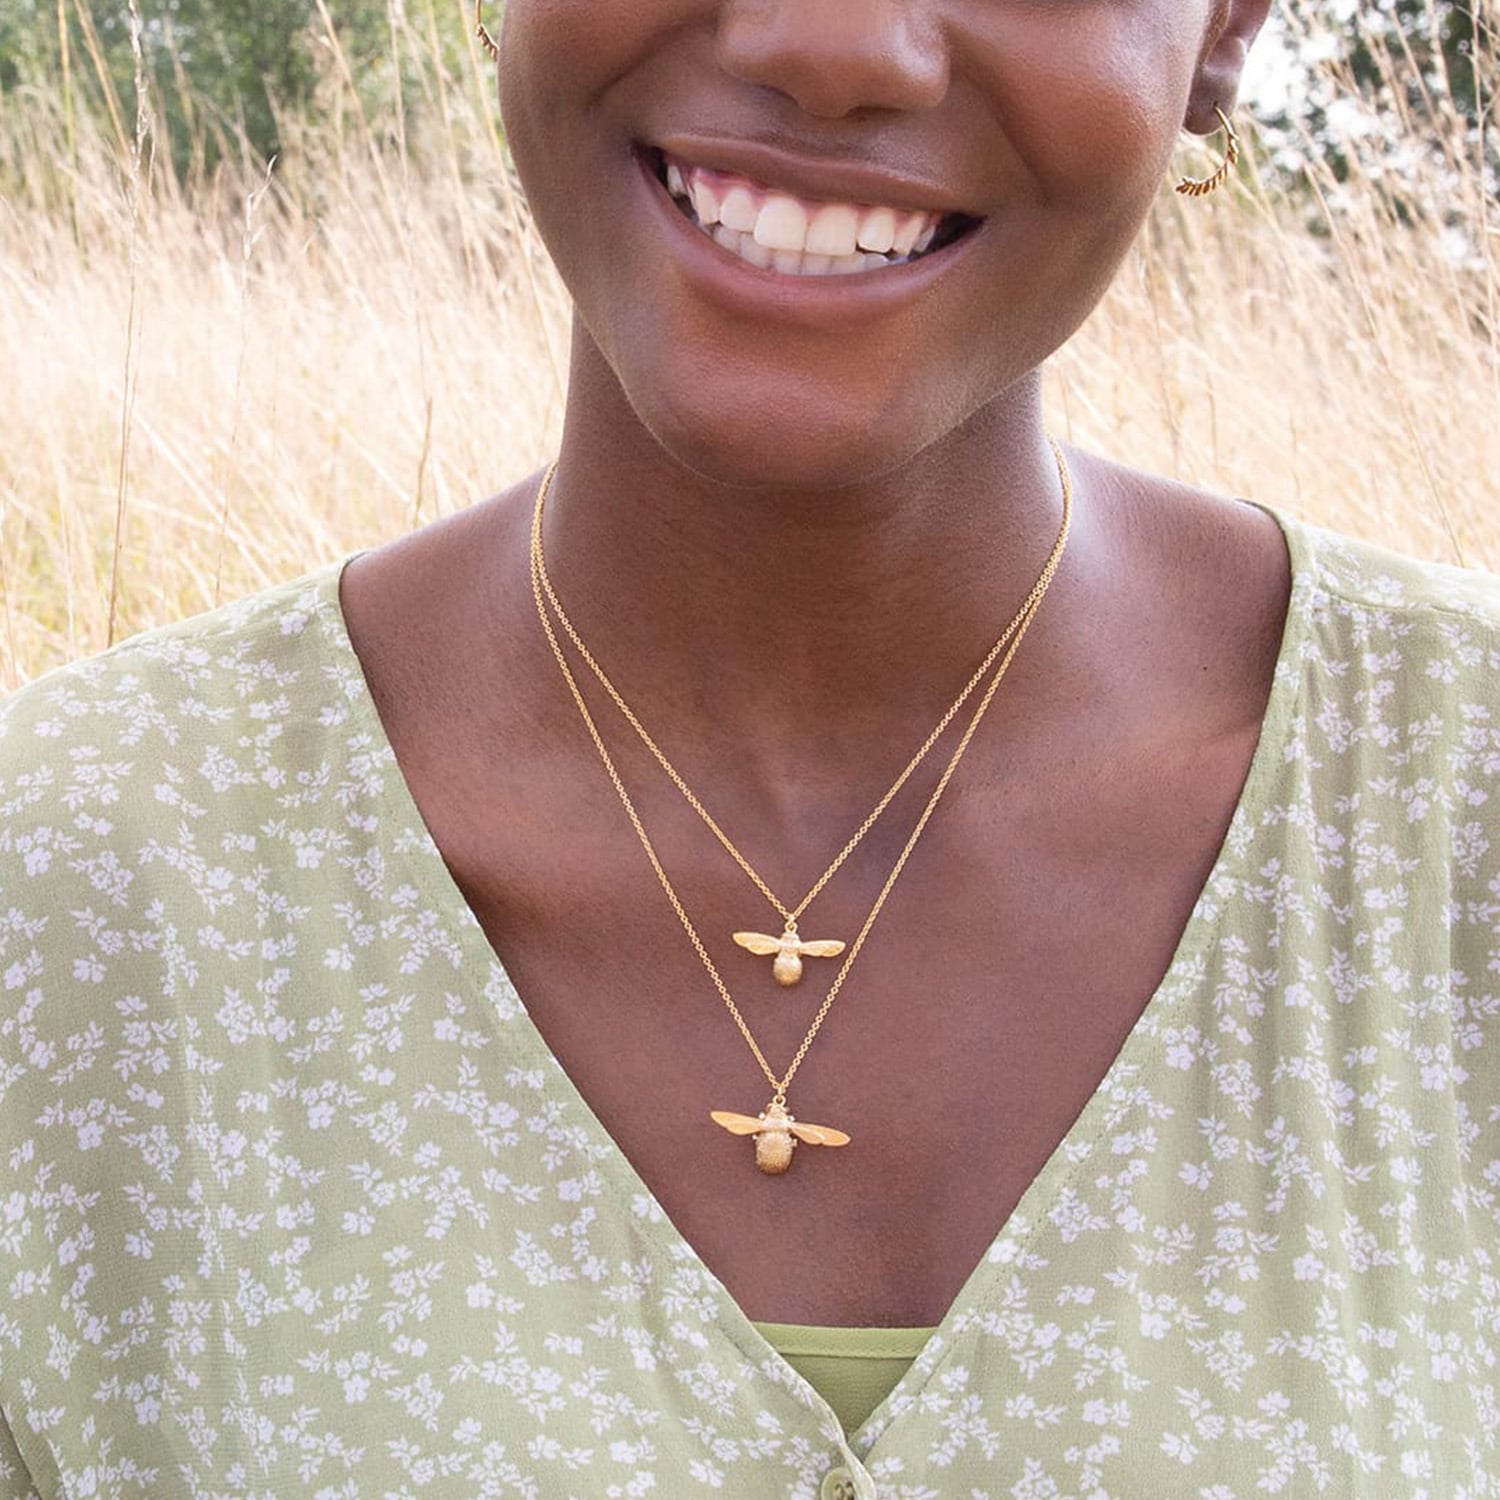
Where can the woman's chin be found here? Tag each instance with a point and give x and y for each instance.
(796, 440)
(748, 457)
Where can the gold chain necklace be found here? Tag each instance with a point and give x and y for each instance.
(775, 1130)
(788, 950)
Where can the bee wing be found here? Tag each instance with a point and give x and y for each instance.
(820, 1135)
(739, 1124)
(821, 949)
(757, 942)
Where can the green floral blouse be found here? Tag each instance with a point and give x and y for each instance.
(295, 1201)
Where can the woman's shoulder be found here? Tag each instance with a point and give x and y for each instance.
(1349, 571)
(153, 687)
(1390, 643)
(167, 723)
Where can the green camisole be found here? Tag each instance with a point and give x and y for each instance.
(852, 1369)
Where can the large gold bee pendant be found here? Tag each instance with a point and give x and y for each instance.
(776, 1133)
(789, 949)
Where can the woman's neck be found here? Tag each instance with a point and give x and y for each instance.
(753, 612)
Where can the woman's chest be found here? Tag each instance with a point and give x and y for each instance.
(983, 1011)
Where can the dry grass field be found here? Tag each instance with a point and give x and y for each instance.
(212, 384)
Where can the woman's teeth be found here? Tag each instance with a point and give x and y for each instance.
(797, 236)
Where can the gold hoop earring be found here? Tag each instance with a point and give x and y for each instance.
(1196, 187)
(482, 31)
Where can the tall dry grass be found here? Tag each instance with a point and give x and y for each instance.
(216, 384)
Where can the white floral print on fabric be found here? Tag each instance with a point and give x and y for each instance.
(294, 1201)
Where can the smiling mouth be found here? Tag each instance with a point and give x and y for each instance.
(777, 231)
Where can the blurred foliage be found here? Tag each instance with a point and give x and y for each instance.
(222, 72)
(1440, 42)
(1362, 65)
(1393, 92)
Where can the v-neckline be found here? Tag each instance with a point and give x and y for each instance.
(1006, 1249)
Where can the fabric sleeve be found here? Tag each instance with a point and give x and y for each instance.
(15, 1482)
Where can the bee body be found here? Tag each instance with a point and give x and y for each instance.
(788, 967)
(773, 1151)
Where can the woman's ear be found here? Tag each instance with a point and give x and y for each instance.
(1235, 26)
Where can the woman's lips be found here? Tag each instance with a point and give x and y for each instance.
(771, 227)
(730, 274)
(793, 234)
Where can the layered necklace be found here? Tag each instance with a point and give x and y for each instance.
(775, 1129)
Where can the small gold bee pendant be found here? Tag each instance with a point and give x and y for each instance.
(776, 1134)
(789, 951)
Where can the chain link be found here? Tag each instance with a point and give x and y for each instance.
(1015, 633)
